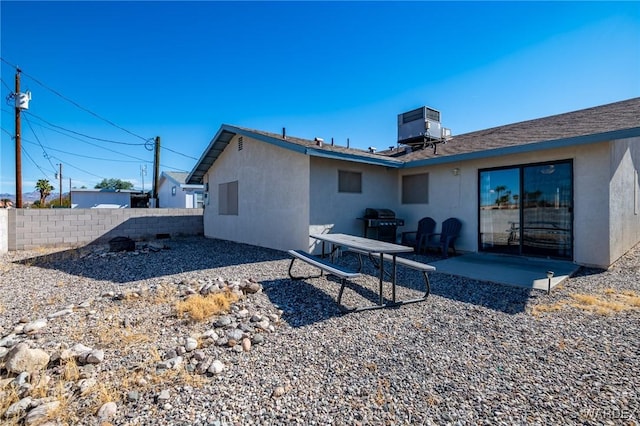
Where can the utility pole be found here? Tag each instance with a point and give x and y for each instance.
(18, 144)
(143, 173)
(156, 171)
(60, 185)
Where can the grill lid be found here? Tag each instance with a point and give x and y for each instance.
(379, 214)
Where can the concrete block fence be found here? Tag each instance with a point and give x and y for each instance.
(24, 229)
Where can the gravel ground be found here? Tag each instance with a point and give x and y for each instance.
(473, 353)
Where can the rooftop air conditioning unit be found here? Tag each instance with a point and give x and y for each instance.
(419, 126)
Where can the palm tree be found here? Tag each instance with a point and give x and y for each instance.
(499, 190)
(44, 187)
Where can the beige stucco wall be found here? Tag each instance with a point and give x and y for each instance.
(624, 226)
(450, 195)
(337, 212)
(457, 196)
(273, 196)
(284, 196)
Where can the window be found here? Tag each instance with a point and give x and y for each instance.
(173, 190)
(527, 209)
(228, 198)
(349, 181)
(415, 189)
(199, 200)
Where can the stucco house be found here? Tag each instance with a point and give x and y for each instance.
(174, 192)
(107, 199)
(564, 186)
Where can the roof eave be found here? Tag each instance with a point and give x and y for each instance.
(382, 161)
(226, 132)
(529, 147)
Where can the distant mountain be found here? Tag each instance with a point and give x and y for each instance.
(29, 197)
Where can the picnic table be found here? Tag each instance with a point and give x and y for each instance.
(383, 251)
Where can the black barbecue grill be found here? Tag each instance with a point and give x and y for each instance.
(381, 224)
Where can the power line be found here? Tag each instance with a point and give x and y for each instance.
(82, 134)
(24, 151)
(44, 152)
(6, 85)
(179, 153)
(72, 102)
(88, 156)
(78, 168)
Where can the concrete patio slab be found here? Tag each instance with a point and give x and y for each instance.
(510, 270)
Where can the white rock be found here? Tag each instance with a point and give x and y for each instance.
(86, 384)
(41, 413)
(96, 356)
(9, 340)
(191, 344)
(246, 344)
(211, 334)
(35, 326)
(18, 408)
(22, 358)
(216, 367)
(107, 411)
(61, 313)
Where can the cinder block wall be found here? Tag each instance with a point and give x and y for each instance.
(4, 230)
(32, 228)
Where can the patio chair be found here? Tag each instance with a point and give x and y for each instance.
(447, 237)
(418, 239)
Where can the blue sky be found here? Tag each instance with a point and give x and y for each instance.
(338, 70)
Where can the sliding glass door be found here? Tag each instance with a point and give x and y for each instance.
(527, 210)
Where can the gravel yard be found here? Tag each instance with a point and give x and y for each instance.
(473, 353)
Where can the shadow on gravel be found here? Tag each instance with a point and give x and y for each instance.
(503, 298)
(301, 303)
(179, 255)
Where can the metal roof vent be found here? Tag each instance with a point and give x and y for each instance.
(373, 149)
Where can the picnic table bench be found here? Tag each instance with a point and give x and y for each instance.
(324, 266)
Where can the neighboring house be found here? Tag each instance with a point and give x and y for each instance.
(571, 180)
(107, 199)
(174, 192)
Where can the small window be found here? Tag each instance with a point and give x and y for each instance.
(415, 189)
(228, 198)
(173, 190)
(349, 181)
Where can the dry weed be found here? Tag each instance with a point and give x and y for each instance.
(70, 370)
(608, 302)
(538, 310)
(165, 293)
(382, 389)
(8, 395)
(198, 308)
